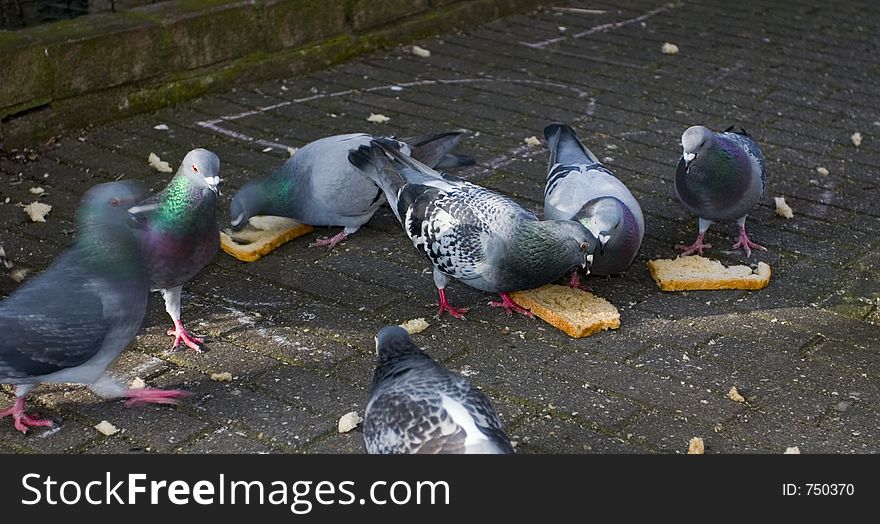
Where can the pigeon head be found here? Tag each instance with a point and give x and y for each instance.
(694, 141)
(202, 166)
(603, 217)
(249, 201)
(576, 241)
(394, 341)
(109, 202)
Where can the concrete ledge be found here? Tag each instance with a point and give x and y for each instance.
(100, 67)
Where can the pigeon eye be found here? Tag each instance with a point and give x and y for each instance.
(584, 246)
(195, 168)
(114, 203)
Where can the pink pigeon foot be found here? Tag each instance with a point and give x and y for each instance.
(445, 306)
(510, 306)
(138, 397)
(697, 247)
(21, 420)
(575, 282)
(180, 335)
(329, 242)
(747, 244)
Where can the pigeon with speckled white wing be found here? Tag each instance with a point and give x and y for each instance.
(580, 188)
(71, 321)
(720, 176)
(471, 233)
(418, 406)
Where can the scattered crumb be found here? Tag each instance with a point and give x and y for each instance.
(420, 52)
(377, 118)
(349, 421)
(291, 150)
(37, 190)
(19, 274)
(37, 211)
(856, 139)
(161, 127)
(106, 428)
(696, 446)
(533, 141)
(734, 395)
(159, 165)
(794, 450)
(669, 49)
(416, 325)
(222, 377)
(783, 209)
(137, 383)
(267, 149)
(822, 171)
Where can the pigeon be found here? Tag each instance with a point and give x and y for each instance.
(318, 186)
(580, 188)
(179, 229)
(70, 322)
(471, 233)
(4, 262)
(721, 176)
(418, 406)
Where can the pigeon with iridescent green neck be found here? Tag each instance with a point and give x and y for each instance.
(721, 176)
(580, 188)
(67, 324)
(180, 232)
(317, 185)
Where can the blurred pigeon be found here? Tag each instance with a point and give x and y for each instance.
(471, 233)
(580, 188)
(318, 186)
(71, 321)
(180, 232)
(721, 176)
(418, 406)
(4, 262)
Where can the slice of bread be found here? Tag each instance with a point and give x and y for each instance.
(696, 273)
(261, 236)
(576, 312)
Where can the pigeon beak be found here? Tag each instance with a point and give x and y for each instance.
(214, 183)
(587, 261)
(603, 239)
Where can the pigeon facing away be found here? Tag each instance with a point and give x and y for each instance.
(580, 188)
(418, 406)
(471, 233)
(180, 232)
(70, 322)
(318, 186)
(721, 176)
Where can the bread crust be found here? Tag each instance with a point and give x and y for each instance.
(253, 243)
(543, 302)
(667, 273)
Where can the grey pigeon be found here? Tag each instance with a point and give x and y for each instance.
(721, 176)
(318, 186)
(3, 260)
(471, 233)
(70, 322)
(580, 188)
(418, 406)
(180, 232)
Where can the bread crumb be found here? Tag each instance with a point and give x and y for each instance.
(696, 446)
(161, 127)
(377, 118)
(37, 190)
(668, 48)
(37, 211)
(157, 164)
(267, 149)
(420, 52)
(734, 395)
(291, 150)
(106, 428)
(137, 383)
(822, 171)
(416, 325)
(533, 141)
(782, 208)
(856, 139)
(794, 450)
(19, 274)
(349, 421)
(222, 377)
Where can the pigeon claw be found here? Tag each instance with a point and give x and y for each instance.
(747, 244)
(510, 306)
(137, 397)
(180, 335)
(697, 247)
(22, 420)
(457, 312)
(329, 242)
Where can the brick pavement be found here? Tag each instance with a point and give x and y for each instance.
(296, 329)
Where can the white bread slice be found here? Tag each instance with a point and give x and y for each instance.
(261, 236)
(694, 272)
(576, 312)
